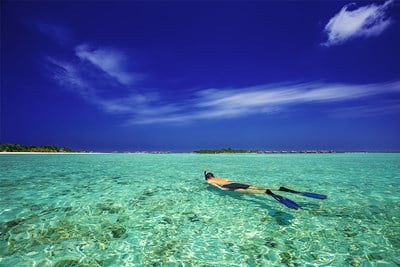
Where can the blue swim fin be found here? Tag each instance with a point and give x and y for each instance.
(314, 195)
(306, 194)
(285, 201)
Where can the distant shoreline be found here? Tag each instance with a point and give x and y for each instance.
(244, 151)
(168, 152)
(18, 149)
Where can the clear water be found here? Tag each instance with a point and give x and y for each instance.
(156, 210)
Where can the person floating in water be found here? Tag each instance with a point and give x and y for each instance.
(225, 184)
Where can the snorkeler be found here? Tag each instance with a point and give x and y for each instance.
(225, 184)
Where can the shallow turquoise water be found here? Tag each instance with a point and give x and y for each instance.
(156, 210)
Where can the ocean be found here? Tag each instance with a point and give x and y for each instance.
(157, 210)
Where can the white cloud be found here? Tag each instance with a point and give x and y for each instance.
(137, 107)
(69, 76)
(277, 97)
(232, 103)
(364, 21)
(147, 108)
(111, 61)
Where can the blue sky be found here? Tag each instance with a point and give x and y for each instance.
(181, 76)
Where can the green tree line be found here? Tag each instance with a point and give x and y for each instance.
(23, 148)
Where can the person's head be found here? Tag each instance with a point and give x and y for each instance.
(209, 175)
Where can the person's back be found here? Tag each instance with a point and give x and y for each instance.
(209, 176)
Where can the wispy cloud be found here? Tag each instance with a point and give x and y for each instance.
(68, 76)
(111, 61)
(350, 22)
(205, 104)
(271, 98)
(88, 82)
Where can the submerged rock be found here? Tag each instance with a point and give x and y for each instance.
(118, 231)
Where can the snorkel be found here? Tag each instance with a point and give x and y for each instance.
(208, 175)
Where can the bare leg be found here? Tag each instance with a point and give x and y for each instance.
(251, 190)
(258, 188)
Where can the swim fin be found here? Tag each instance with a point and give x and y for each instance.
(306, 194)
(285, 201)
